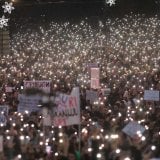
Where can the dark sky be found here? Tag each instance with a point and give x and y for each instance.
(75, 10)
(80, 8)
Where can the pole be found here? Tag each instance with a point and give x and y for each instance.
(79, 134)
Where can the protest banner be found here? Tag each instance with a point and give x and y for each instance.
(150, 95)
(106, 91)
(3, 114)
(92, 96)
(91, 65)
(29, 103)
(94, 83)
(132, 129)
(95, 73)
(42, 85)
(9, 89)
(47, 117)
(1, 143)
(47, 120)
(67, 110)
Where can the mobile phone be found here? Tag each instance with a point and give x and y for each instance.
(48, 149)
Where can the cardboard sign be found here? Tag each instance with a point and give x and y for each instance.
(9, 89)
(95, 72)
(3, 114)
(47, 120)
(67, 111)
(132, 128)
(106, 92)
(92, 65)
(92, 96)
(150, 95)
(29, 103)
(95, 83)
(42, 85)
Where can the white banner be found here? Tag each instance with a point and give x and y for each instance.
(67, 110)
(28, 103)
(47, 120)
(42, 85)
(150, 95)
(106, 91)
(47, 117)
(9, 89)
(92, 96)
(91, 65)
(132, 128)
(95, 73)
(3, 114)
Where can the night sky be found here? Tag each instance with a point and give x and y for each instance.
(75, 9)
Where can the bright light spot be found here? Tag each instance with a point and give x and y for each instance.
(61, 141)
(89, 149)
(118, 151)
(19, 156)
(99, 155)
(56, 154)
(127, 158)
(114, 136)
(143, 138)
(60, 134)
(106, 137)
(153, 148)
(40, 143)
(41, 134)
(21, 138)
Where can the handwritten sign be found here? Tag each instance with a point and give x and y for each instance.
(91, 65)
(106, 91)
(132, 128)
(9, 89)
(67, 110)
(150, 95)
(42, 85)
(3, 114)
(29, 103)
(95, 78)
(47, 120)
(92, 96)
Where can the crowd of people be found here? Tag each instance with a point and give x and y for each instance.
(125, 49)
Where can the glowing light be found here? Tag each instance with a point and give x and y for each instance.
(118, 151)
(21, 137)
(114, 136)
(56, 154)
(40, 143)
(60, 134)
(61, 141)
(89, 149)
(153, 148)
(127, 158)
(19, 156)
(99, 155)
